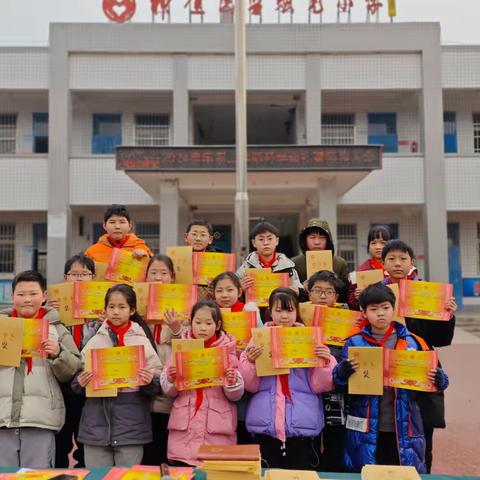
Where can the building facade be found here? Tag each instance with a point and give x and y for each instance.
(64, 109)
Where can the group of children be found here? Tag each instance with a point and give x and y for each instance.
(302, 420)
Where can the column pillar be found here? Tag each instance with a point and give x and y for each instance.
(327, 204)
(169, 214)
(180, 100)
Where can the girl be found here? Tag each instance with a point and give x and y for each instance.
(378, 236)
(114, 430)
(286, 412)
(204, 415)
(160, 269)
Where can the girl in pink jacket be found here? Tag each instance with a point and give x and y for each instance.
(204, 415)
(285, 413)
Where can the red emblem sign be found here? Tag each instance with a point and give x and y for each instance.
(316, 7)
(119, 11)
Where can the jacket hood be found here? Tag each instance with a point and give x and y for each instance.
(320, 225)
(52, 315)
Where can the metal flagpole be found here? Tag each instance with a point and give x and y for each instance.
(241, 194)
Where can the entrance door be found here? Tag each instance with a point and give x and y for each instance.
(455, 263)
(39, 252)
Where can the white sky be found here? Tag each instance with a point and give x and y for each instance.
(25, 22)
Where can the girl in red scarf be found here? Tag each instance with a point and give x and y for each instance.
(203, 415)
(378, 236)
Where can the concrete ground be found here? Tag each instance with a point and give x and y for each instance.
(457, 448)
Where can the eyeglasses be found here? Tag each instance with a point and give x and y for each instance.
(320, 292)
(198, 235)
(78, 276)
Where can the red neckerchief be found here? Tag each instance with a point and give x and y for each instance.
(157, 332)
(118, 244)
(411, 276)
(199, 397)
(285, 387)
(381, 342)
(40, 314)
(264, 262)
(120, 331)
(78, 334)
(237, 306)
(375, 264)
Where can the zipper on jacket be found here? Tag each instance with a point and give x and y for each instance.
(396, 426)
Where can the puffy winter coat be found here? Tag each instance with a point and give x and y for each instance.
(35, 400)
(102, 250)
(270, 412)
(361, 440)
(215, 421)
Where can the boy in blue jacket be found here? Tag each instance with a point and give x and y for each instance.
(386, 429)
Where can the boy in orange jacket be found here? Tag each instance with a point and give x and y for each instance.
(116, 223)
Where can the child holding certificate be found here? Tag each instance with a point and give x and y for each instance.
(386, 429)
(203, 415)
(78, 268)
(32, 410)
(199, 235)
(160, 269)
(285, 414)
(398, 258)
(378, 236)
(117, 225)
(324, 288)
(114, 429)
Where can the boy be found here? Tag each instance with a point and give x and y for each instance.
(324, 288)
(316, 235)
(398, 258)
(78, 268)
(199, 236)
(31, 403)
(387, 429)
(116, 223)
(265, 238)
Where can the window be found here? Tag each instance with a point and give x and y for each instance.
(107, 132)
(40, 133)
(152, 130)
(338, 129)
(392, 226)
(8, 132)
(150, 232)
(382, 130)
(7, 247)
(476, 132)
(450, 132)
(347, 243)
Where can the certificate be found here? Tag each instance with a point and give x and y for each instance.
(11, 341)
(63, 294)
(263, 364)
(368, 277)
(185, 345)
(309, 314)
(337, 324)
(124, 268)
(117, 367)
(396, 316)
(100, 271)
(89, 299)
(239, 324)
(425, 300)
(201, 368)
(265, 282)
(89, 390)
(171, 296)
(141, 291)
(182, 263)
(390, 472)
(207, 265)
(35, 332)
(319, 260)
(368, 379)
(409, 369)
(294, 347)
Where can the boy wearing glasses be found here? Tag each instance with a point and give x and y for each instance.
(324, 288)
(199, 235)
(79, 268)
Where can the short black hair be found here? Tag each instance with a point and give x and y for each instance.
(288, 300)
(82, 259)
(264, 227)
(326, 276)
(30, 276)
(118, 210)
(200, 223)
(376, 293)
(381, 232)
(397, 245)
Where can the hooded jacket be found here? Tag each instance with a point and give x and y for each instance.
(35, 400)
(101, 251)
(361, 444)
(215, 421)
(340, 266)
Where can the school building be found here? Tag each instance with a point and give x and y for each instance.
(153, 88)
